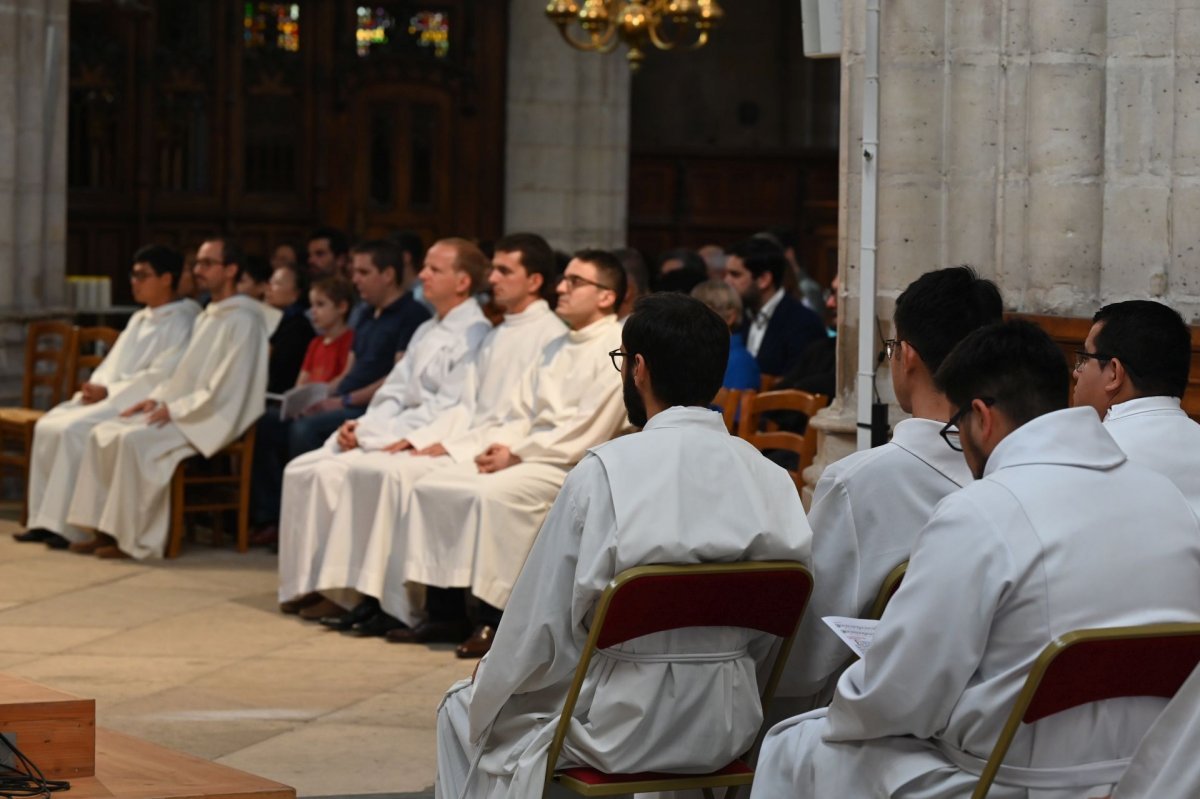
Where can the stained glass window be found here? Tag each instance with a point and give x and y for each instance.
(272, 25)
(431, 29)
(374, 28)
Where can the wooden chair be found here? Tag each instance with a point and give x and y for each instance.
(767, 382)
(728, 400)
(47, 349)
(1092, 665)
(220, 483)
(805, 446)
(769, 596)
(890, 585)
(92, 345)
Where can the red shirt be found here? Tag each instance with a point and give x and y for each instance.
(325, 360)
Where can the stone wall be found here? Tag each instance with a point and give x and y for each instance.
(567, 159)
(1052, 144)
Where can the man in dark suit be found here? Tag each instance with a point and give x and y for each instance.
(778, 327)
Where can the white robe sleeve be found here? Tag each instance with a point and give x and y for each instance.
(515, 426)
(595, 421)
(571, 562)
(933, 635)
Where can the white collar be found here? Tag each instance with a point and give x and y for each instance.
(1140, 405)
(768, 309)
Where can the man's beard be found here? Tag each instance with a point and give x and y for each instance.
(752, 300)
(634, 405)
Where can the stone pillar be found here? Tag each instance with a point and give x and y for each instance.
(1053, 145)
(567, 159)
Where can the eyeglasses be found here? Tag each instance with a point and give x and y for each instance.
(950, 434)
(575, 281)
(616, 356)
(140, 274)
(890, 346)
(1082, 357)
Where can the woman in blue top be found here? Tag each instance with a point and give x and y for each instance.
(741, 370)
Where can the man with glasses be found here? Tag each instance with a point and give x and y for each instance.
(471, 525)
(1133, 369)
(1058, 532)
(683, 700)
(143, 356)
(868, 507)
(215, 392)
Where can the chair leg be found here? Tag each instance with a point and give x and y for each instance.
(175, 541)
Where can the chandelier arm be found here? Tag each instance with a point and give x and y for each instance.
(659, 42)
(586, 46)
(609, 41)
(701, 40)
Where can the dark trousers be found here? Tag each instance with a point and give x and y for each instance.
(450, 605)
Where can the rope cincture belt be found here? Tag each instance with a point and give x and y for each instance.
(1085, 775)
(667, 657)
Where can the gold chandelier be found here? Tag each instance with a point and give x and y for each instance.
(666, 24)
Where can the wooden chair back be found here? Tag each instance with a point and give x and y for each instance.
(48, 345)
(728, 400)
(769, 596)
(767, 382)
(891, 584)
(750, 424)
(223, 486)
(92, 345)
(1093, 665)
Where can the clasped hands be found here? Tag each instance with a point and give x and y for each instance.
(158, 412)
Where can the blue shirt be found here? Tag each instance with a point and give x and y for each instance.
(377, 339)
(741, 370)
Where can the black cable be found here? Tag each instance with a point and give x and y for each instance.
(18, 784)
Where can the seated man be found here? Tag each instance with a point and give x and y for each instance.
(144, 355)
(428, 381)
(683, 700)
(472, 524)
(1133, 370)
(1058, 532)
(359, 530)
(216, 391)
(868, 507)
(1165, 765)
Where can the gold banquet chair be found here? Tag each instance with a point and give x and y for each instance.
(1088, 666)
(769, 596)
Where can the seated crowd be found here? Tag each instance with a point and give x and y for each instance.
(466, 457)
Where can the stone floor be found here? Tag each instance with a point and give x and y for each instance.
(193, 654)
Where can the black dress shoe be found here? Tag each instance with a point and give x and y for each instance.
(361, 612)
(56, 541)
(478, 644)
(34, 535)
(376, 626)
(429, 632)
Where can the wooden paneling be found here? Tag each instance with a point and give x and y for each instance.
(55, 730)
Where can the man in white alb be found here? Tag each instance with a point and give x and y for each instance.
(143, 356)
(429, 380)
(869, 506)
(218, 389)
(366, 524)
(1133, 369)
(1165, 765)
(472, 524)
(1058, 532)
(684, 700)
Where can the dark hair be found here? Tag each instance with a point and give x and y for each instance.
(637, 275)
(685, 345)
(760, 254)
(258, 268)
(231, 252)
(384, 255)
(783, 235)
(1152, 342)
(611, 273)
(300, 277)
(1015, 363)
(536, 257)
(297, 250)
(411, 244)
(163, 260)
(940, 308)
(338, 289)
(339, 243)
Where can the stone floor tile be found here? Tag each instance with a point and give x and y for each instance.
(48, 640)
(206, 737)
(339, 647)
(110, 605)
(185, 704)
(416, 710)
(348, 674)
(109, 679)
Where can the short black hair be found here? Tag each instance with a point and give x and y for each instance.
(1152, 342)
(612, 274)
(411, 244)
(163, 260)
(685, 345)
(258, 268)
(231, 252)
(636, 273)
(536, 256)
(1015, 363)
(760, 254)
(339, 242)
(940, 308)
(384, 255)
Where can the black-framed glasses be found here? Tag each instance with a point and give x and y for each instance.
(575, 281)
(617, 357)
(1082, 357)
(141, 274)
(950, 434)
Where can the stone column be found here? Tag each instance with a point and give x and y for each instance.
(567, 159)
(1053, 145)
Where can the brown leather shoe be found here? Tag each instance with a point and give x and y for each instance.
(111, 552)
(294, 606)
(89, 547)
(320, 609)
(429, 632)
(478, 644)
(265, 536)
